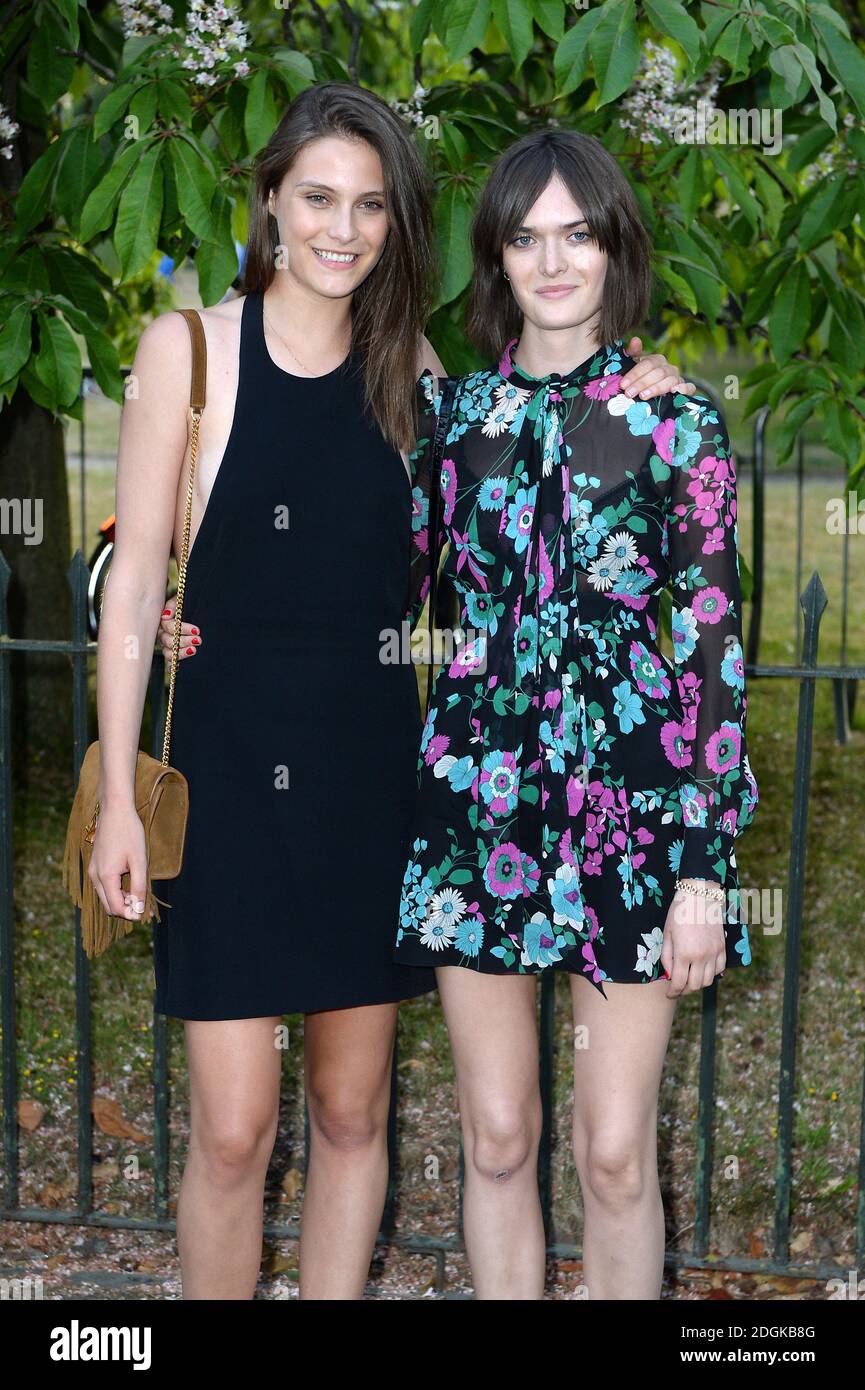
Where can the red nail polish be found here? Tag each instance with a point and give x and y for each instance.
(189, 651)
(196, 641)
(166, 613)
(195, 629)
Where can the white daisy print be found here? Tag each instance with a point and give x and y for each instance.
(446, 908)
(604, 572)
(621, 547)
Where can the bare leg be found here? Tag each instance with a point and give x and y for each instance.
(621, 1042)
(493, 1031)
(234, 1072)
(348, 1062)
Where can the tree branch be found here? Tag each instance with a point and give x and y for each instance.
(94, 63)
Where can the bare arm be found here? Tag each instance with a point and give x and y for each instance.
(152, 447)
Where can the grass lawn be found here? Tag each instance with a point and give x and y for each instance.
(829, 1069)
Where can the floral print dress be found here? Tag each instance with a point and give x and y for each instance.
(568, 772)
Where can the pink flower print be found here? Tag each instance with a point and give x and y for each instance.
(723, 749)
(505, 365)
(437, 746)
(604, 388)
(531, 875)
(503, 872)
(545, 577)
(448, 484)
(675, 745)
(710, 605)
(714, 541)
(662, 436)
(576, 794)
(468, 658)
(592, 863)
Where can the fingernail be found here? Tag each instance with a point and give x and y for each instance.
(139, 907)
(189, 651)
(166, 612)
(195, 629)
(196, 641)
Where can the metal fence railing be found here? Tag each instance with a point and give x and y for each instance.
(80, 651)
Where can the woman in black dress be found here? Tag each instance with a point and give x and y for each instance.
(298, 740)
(298, 743)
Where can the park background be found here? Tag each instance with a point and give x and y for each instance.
(127, 139)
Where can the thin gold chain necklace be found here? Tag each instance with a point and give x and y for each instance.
(285, 344)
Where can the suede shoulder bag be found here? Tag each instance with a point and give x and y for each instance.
(161, 792)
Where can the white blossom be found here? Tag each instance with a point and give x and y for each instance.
(651, 108)
(8, 130)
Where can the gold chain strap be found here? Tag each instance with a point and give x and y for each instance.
(181, 583)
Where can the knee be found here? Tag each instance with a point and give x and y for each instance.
(503, 1142)
(345, 1123)
(233, 1151)
(612, 1169)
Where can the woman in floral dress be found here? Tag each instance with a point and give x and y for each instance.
(580, 794)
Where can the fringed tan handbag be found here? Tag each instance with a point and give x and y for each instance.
(161, 792)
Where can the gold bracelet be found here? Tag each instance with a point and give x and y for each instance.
(702, 889)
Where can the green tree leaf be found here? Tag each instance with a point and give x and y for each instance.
(467, 25)
(671, 18)
(33, 201)
(15, 340)
(195, 186)
(841, 56)
(58, 361)
(615, 48)
(790, 315)
(819, 219)
(259, 119)
(453, 220)
(99, 208)
(78, 167)
(572, 53)
(514, 21)
(139, 213)
(550, 17)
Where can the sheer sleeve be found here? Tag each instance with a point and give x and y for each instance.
(420, 463)
(717, 790)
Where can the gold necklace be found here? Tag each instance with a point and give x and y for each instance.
(285, 344)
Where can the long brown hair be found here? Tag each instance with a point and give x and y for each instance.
(390, 307)
(595, 181)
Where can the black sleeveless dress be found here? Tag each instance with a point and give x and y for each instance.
(298, 742)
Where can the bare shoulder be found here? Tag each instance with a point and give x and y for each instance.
(164, 352)
(428, 359)
(169, 332)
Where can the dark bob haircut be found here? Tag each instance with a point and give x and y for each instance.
(603, 194)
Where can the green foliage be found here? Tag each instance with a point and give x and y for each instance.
(757, 244)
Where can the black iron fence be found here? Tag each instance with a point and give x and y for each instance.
(80, 650)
